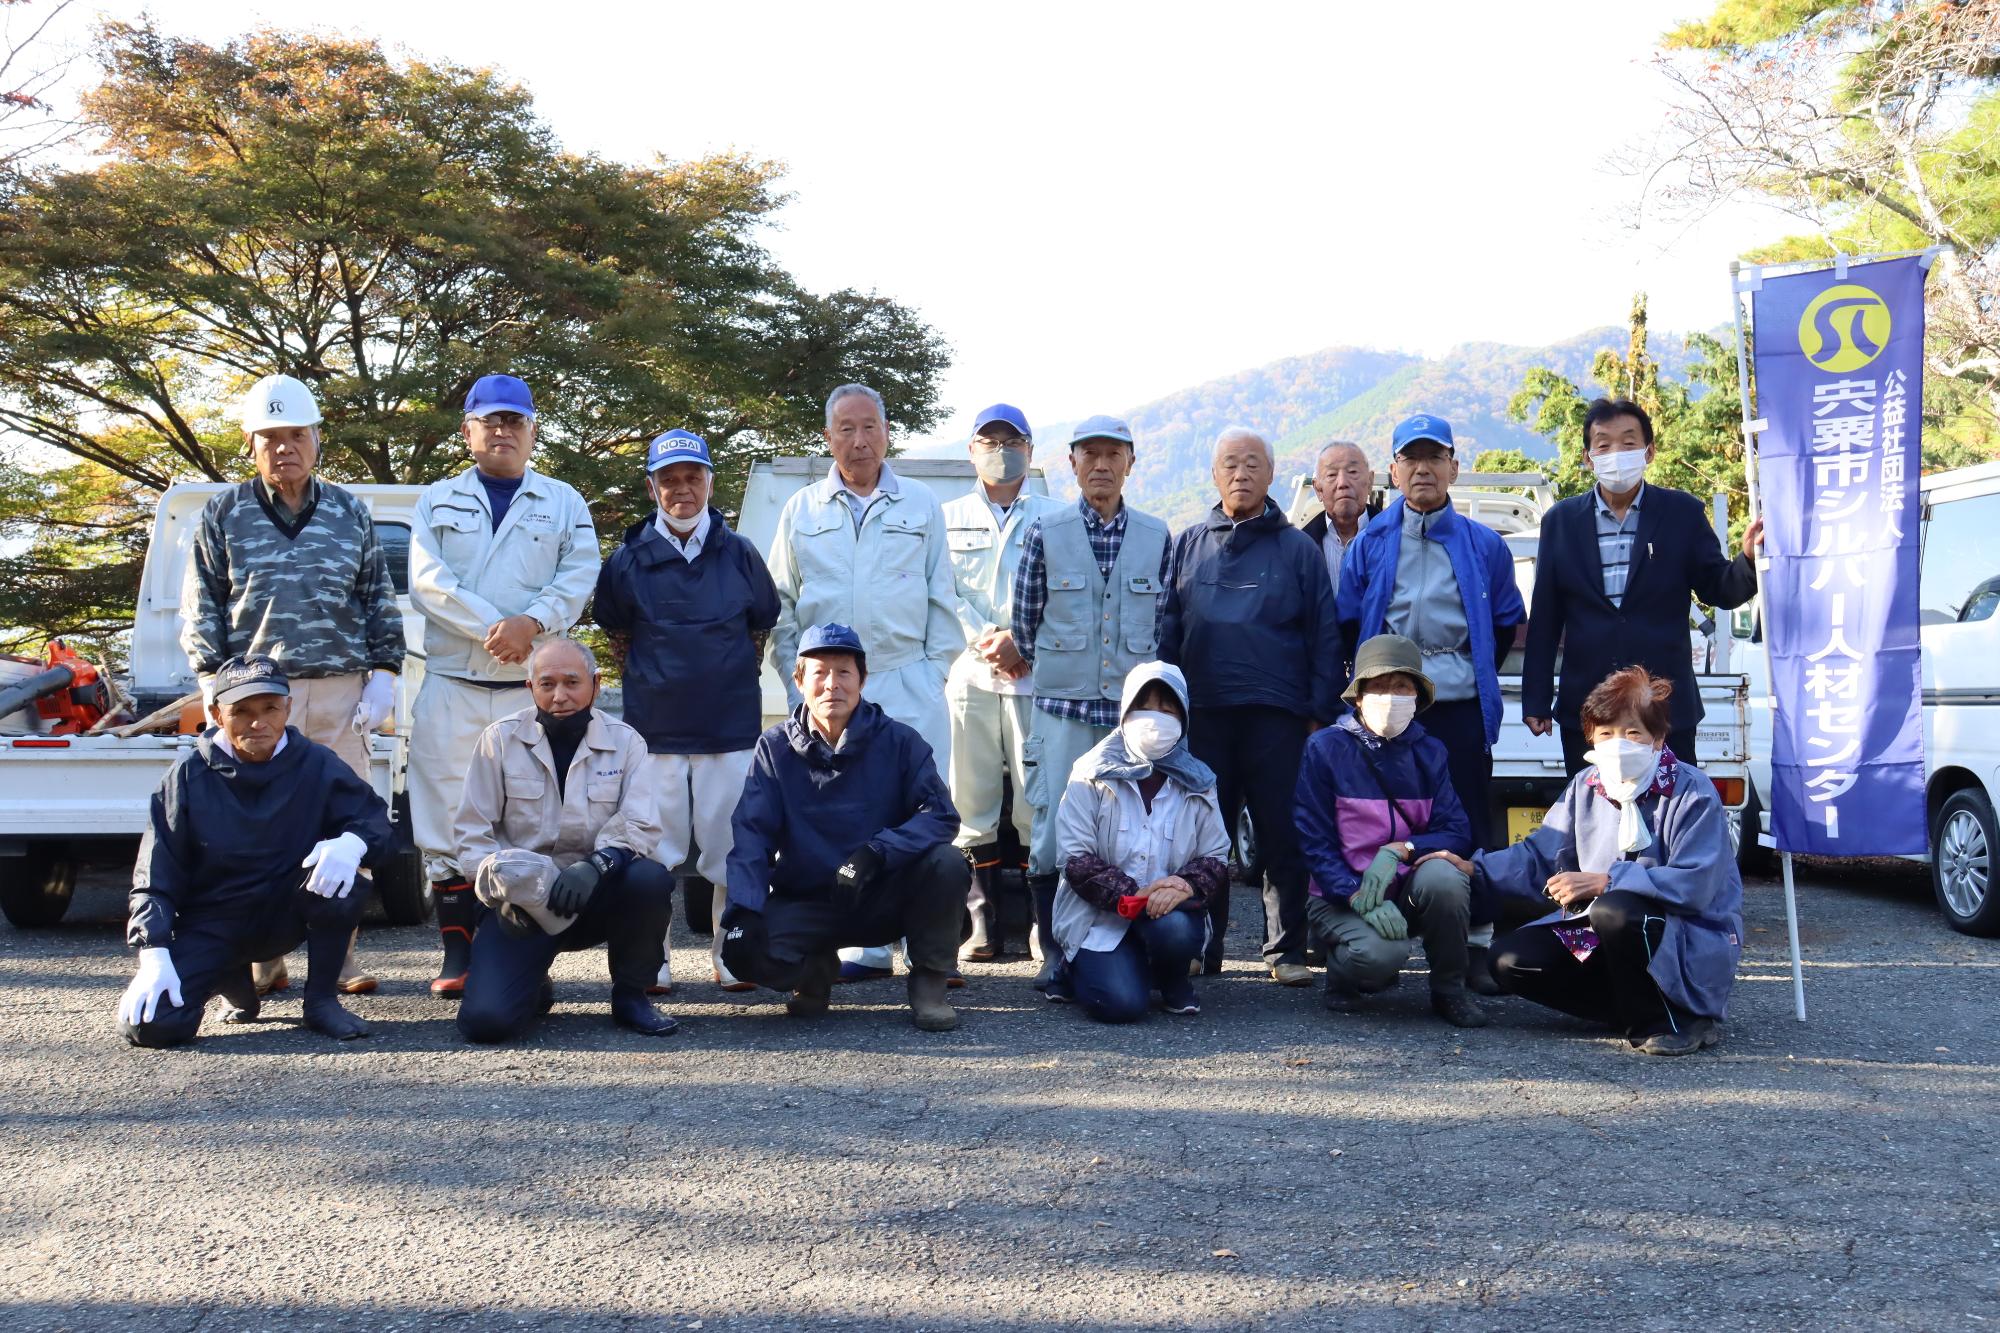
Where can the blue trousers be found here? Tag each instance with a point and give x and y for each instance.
(1112, 985)
(628, 914)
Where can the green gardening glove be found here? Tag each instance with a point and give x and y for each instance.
(1375, 881)
(1387, 921)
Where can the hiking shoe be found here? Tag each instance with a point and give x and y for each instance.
(1459, 1009)
(1694, 1037)
(815, 988)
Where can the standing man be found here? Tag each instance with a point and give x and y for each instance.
(990, 694)
(688, 604)
(288, 567)
(1446, 583)
(1342, 480)
(863, 549)
(1616, 571)
(501, 557)
(1250, 619)
(843, 838)
(1088, 598)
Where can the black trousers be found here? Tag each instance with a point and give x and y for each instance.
(920, 904)
(628, 914)
(1612, 986)
(210, 950)
(1255, 752)
(1462, 728)
(1680, 741)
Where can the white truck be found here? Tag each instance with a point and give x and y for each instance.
(1528, 772)
(66, 798)
(1958, 595)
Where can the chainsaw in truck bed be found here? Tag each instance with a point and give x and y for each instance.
(79, 760)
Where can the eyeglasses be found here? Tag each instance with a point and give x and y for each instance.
(988, 442)
(502, 420)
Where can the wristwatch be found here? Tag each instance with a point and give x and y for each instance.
(1409, 851)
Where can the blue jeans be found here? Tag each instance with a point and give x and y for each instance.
(1112, 985)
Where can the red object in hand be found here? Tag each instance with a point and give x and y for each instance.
(1132, 906)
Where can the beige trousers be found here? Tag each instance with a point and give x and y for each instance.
(445, 724)
(698, 796)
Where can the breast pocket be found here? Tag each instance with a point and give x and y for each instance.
(461, 535)
(899, 550)
(603, 793)
(1142, 613)
(1237, 597)
(822, 547)
(971, 553)
(532, 556)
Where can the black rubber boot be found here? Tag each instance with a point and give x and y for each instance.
(1339, 997)
(1479, 972)
(1456, 1007)
(815, 986)
(929, 1008)
(326, 950)
(458, 917)
(1042, 888)
(240, 1001)
(631, 1009)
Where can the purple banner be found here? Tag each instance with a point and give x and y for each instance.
(1840, 388)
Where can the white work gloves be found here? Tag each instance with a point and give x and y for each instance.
(333, 863)
(156, 977)
(378, 702)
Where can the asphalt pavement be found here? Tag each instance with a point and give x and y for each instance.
(1265, 1165)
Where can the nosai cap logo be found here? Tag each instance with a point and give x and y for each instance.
(1844, 328)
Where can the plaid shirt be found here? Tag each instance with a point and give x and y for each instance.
(1031, 598)
(1615, 538)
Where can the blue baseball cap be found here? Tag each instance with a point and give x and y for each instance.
(1101, 428)
(1006, 412)
(831, 637)
(1435, 429)
(677, 446)
(499, 393)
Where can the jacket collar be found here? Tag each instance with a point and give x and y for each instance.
(1438, 524)
(646, 542)
(1350, 722)
(596, 736)
(467, 483)
(209, 746)
(810, 746)
(1115, 765)
(1271, 520)
(831, 486)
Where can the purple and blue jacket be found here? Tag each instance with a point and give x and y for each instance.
(1345, 813)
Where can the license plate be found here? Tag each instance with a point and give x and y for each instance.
(1523, 820)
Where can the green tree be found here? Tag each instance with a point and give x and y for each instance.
(387, 230)
(1697, 423)
(1877, 126)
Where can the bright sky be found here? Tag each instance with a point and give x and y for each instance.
(1099, 204)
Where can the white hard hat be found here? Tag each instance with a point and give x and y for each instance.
(279, 400)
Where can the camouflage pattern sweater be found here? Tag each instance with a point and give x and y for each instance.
(311, 590)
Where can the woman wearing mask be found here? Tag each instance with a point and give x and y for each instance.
(1636, 860)
(1143, 848)
(1374, 799)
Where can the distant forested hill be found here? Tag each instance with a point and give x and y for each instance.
(1339, 393)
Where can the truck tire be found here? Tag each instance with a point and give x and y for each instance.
(404, 888)
(1752, 856)
(1963, 845)
(35, 889)
(1246, 866)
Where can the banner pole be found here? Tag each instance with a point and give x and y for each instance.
(1756, 512)
(1792, 926)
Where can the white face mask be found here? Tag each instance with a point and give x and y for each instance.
(1387, 714)
(1149, 735)
(1620, 470)
(1623, 763)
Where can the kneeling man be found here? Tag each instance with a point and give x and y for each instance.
(555, 826)
(843, 838)
(252, 846)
